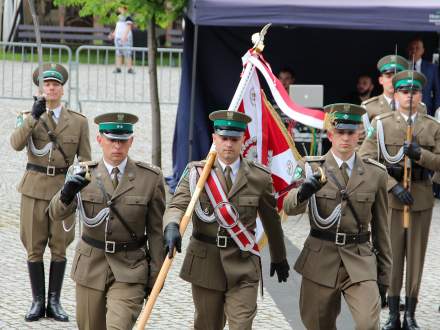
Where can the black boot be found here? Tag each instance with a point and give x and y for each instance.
(393, 322)
(56, 275)
(409, 322)
(36, 275)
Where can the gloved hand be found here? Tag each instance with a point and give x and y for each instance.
(72, 186)
(403, 195)
(412, 150)
(39, 107)
(172, 239)
(309, 187)
(282, 270)
(147, 291)
(383, 294)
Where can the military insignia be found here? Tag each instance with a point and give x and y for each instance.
(19, 121)
(185, 172)
(347, 107)
(370, 132)
(393, 58)
(120, 116)
(298, 173)
(345, 116)
(53, 65)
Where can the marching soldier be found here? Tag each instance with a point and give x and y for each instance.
(222, 260)
(121, 204)
(386, 142)
(388, 66)
(348, 250)
(53, 135)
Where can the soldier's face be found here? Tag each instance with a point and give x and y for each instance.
(228, 148)
(404, 97)
(386, 80)
(343, 141)
(114, 151)
(53, 90)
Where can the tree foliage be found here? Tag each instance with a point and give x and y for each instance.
(162, 11)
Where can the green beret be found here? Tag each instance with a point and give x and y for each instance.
(116, 125)
(392, 64)
(229, 123)
(51, 71)
(409, 79)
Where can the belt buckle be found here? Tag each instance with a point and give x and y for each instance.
(110, 246)
(50, 171)
(222, 241)
(340, 238)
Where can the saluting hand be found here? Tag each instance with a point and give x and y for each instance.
(412, 150)
(72, 186)
(39, 107)
(172, 239)
(281, 268)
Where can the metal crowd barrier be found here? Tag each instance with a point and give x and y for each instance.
(97, 81)
(17, 63)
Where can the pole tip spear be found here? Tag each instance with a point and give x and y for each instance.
(258, 38)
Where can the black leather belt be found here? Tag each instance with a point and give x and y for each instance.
(341, 238)
(48, 170)
(112, 246)
(220, 241)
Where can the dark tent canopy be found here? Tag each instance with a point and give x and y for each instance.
(325, 42)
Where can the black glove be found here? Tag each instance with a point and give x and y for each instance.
(72, 186)
(403, 195)
(39, 107)
(282, 270)
(172, 239)
(147, 291)
(383, 294)
(309, 187)
(412, 150)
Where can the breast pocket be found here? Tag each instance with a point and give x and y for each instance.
(365, 201)
(70, 143)
(326, 202)
(427, 142)
(138, 207)
(92, 203)
(247, 206)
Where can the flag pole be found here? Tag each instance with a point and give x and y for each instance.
(257, 39)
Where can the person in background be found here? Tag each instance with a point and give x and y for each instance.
(123, 37)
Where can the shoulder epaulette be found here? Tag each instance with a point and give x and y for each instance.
(384, 115)
(374, 98)
(90, 163)
(261, 166)
(314, 158)
(76, 113)
(375, 162)
(429, 117)
(197, 163)
(148, 166)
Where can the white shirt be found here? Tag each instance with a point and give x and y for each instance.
(121, 26)
(389, 99)
(418, 65)
(56, 113)
(121, 168)
(234, 167)
(413, 117)
(350, 162)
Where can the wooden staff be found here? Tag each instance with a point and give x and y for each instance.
(143, 318)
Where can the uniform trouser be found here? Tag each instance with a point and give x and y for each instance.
(117, 307)
(37, 231)
(409, 244)
(321, 305)
(238, 305)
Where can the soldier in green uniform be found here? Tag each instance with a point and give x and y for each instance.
(348, 250)
(53, 136)
(224, 275)
(386, 142)
(121, 203)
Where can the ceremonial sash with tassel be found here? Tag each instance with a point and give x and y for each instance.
(227, 218)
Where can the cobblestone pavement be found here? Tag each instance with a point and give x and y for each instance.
(174, 309)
